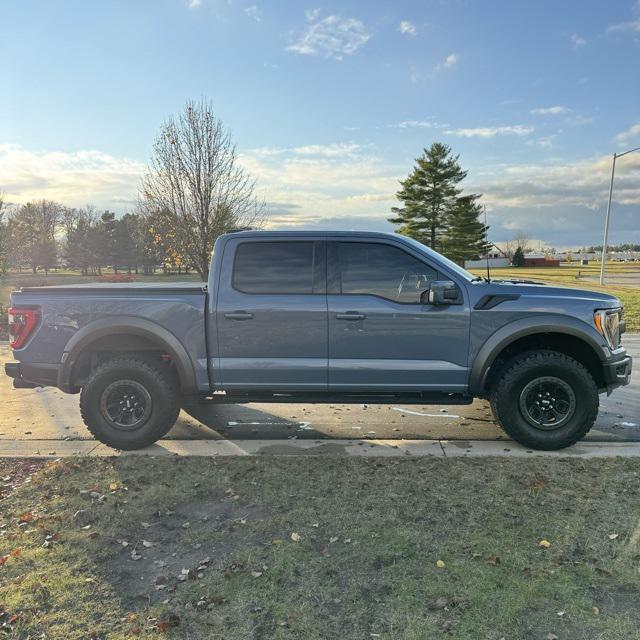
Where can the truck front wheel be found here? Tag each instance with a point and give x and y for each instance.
(130, 402)
(545, 400)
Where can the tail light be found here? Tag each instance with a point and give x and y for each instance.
(22, 322)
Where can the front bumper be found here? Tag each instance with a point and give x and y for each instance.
(30, 376)
(617, 372)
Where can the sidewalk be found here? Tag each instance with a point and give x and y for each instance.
(359, 448)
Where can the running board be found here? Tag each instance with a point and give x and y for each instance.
(423, 397)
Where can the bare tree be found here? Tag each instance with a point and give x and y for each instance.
(522, 240)
(4, 236)
(194, 174)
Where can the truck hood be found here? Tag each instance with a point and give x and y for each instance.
(538, 290)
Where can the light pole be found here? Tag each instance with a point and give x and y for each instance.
(606, 220)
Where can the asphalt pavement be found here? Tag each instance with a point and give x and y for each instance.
(50, 415)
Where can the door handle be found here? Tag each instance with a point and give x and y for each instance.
(350, 315)
(239, 315)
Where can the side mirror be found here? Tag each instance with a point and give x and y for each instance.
(442, 292)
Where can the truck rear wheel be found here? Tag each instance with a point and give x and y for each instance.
(130, 402)
(545, 400)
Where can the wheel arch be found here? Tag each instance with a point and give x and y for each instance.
(565, 334)
(134, 333)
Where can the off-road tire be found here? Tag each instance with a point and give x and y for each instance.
(161, 385)
(524, 368)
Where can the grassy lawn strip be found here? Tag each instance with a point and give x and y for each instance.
(322, 548)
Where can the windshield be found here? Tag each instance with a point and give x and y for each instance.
(462, 272)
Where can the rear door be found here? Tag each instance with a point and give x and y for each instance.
(381, 337)
(272, 315)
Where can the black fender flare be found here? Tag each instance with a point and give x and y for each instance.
(517, 329)
(131, 326)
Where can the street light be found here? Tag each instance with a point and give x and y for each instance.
(606, 220)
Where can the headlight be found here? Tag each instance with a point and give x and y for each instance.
(609, 324)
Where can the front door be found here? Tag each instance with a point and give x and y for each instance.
(381, 337)
(271, 316)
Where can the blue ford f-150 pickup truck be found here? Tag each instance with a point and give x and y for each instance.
(322, 317)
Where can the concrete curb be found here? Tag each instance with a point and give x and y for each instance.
(356, 448)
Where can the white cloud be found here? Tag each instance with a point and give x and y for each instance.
(490, 132)
(253, 12)
(633, 26)
(194, 4)
(582, 183)
(407, 28)
(312, 14)
(332, 37)
(551, 111)
(415, 124)
(449, 62)
(577, 41)
(626, 136)
(74, 178)
(546, 142)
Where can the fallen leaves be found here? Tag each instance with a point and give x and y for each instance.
(170, 622)
(538, 485)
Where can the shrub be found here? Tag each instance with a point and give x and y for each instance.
(116, 277)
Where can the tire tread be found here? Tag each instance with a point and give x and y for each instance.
(508, 378)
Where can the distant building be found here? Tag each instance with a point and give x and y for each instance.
(540, 260)
(493, 263)
(495, 256)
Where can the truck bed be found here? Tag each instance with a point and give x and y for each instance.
(67, 312)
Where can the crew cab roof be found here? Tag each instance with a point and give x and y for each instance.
(256, 233)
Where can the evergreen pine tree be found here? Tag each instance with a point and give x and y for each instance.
(428, 195)
(467, 236)
(518, 258)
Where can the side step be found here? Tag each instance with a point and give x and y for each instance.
(423, 397)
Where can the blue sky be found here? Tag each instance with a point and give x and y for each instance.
(330, 102)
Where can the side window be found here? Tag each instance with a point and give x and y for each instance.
(382, 270)
(274, 267)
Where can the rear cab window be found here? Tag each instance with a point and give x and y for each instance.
(276, 268)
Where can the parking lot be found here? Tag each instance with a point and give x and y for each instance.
(50, 415)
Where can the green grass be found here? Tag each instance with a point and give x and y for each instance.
(370, 534)
(577, 276)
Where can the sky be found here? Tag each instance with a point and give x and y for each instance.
(331, 102)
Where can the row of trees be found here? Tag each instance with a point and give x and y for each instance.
(45, 234)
